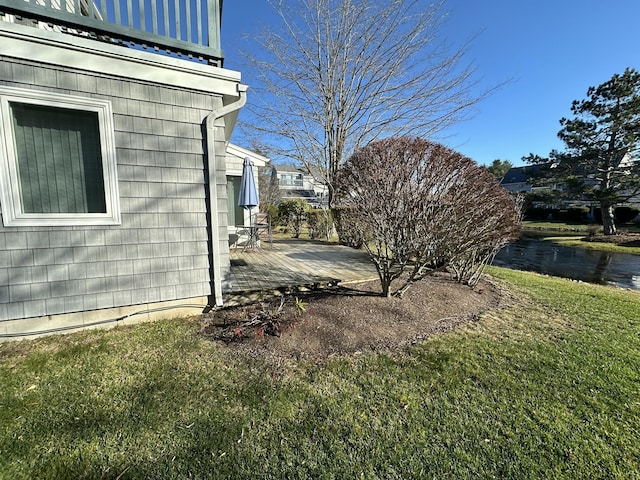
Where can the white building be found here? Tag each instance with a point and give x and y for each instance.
(298, 182)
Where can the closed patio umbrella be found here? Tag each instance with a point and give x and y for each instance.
(248, 196)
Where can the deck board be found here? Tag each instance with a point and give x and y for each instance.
(296, 263)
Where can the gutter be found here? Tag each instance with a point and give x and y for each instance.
(213, 186)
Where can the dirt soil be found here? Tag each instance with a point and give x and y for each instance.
(348, 320)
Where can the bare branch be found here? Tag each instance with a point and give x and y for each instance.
(337, 74)
(419, 207)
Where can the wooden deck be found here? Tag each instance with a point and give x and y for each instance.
(296, 263)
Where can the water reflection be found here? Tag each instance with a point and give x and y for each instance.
(601, 269)
(605, 268)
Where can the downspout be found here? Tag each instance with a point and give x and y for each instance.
(213, 186)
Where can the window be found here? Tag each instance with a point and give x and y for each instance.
(285, 179)
(57, 160)
(291, 180)
(235, 214)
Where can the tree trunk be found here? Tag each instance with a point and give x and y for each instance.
(608, 221)
(385, 281)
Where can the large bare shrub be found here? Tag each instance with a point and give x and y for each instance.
(420, 207)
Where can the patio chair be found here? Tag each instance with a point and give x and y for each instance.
(262, 222)
(253, 233)
(233, 240)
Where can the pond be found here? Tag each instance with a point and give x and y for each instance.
(605, 268)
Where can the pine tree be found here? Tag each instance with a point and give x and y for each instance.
(600, 162)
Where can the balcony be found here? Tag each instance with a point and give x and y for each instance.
(187, 29)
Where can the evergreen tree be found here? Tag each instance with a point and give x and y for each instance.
(499, 168)
(600, 162)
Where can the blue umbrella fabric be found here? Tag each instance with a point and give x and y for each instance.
(248, 196)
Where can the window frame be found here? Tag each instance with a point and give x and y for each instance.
(10, 196)
(238, 214)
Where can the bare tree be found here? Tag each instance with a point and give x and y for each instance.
(336, 74)
(268, 186)
(419, 207)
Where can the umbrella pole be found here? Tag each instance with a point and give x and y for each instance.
(252, 240)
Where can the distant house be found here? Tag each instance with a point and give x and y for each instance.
(529, 179)
(296, 182)
(524, 179)
(115, 163)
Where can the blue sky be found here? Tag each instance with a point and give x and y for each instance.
(550, 51)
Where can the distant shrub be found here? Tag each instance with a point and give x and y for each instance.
(273, 213)
(592, 230)
(320, 223)
(576, 214)
(532, 213)
(293, 214)
(597, 215)
(540, 214)
(626, 214)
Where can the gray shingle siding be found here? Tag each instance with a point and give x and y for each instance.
(160, 251)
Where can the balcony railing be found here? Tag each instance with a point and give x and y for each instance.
(184, 27)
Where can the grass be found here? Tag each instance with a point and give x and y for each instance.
(572, 226)
(573, 241)
(555, 226)
(564, 234)
(546, 387)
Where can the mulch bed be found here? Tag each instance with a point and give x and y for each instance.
(348, 320)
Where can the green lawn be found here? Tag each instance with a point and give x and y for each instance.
(573, 241)
(569, 235)
(573, 226)
(546, 387)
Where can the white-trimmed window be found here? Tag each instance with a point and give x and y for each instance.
(57, 160)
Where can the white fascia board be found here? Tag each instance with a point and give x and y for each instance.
(230, 120)
(258, 160)
(34, 44)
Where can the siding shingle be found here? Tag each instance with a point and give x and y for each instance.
(159, 252)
